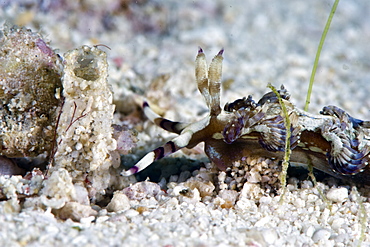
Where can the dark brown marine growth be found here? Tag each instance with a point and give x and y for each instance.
(30, 84)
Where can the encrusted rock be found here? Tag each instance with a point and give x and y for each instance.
(30, 84)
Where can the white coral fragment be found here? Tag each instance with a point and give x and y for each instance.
(119, 202)
(58, 189)
(85, 139)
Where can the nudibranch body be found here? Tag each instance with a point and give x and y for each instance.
(333, 141)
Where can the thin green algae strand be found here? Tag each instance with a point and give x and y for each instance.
(321, 44)
(288, 151)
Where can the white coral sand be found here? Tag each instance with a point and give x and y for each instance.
(153, 46)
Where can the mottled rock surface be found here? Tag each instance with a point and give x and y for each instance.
(30, 83)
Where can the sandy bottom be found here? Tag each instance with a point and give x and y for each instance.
(152, 50)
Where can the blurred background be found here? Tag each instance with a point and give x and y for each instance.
(264, 41)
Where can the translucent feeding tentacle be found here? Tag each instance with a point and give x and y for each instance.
(209, 81)
(171, 126)
(214, 75)
(201, 76)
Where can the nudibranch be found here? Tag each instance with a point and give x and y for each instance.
(333, 142)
